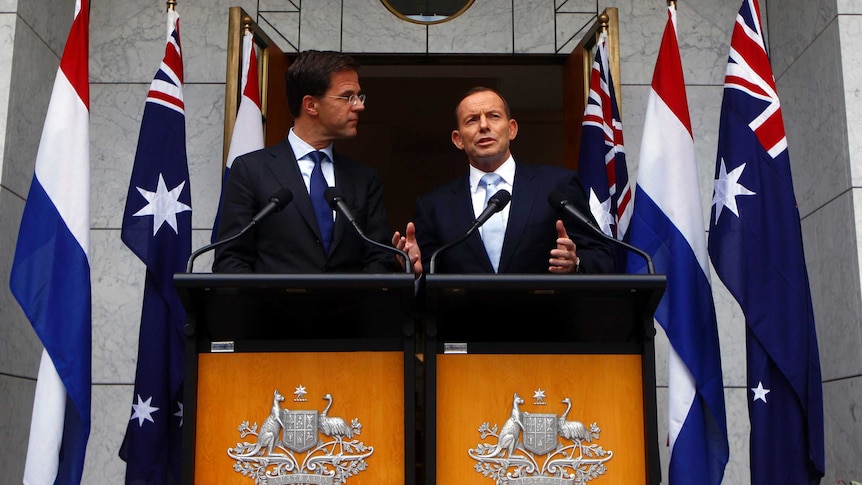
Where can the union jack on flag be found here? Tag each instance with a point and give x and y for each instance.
(602, 161)
(755, 243)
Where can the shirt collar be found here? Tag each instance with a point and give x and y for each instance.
(506, 171)
(301, 148)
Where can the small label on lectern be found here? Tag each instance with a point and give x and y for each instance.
(455, 347)
(221, 347)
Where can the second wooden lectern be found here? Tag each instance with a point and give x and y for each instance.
(541, 379)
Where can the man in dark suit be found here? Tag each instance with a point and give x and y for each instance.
(535, 237)
(325, 99)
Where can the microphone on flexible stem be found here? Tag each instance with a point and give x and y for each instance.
(496, 203)
(277, 202)
(337, 202)
(559, 202)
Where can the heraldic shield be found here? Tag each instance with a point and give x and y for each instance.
(300, 430)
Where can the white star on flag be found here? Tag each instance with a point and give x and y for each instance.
(727, 188)
(759, 392)
(143, 411)
(164, 205)
(602, 212)
(180, 413)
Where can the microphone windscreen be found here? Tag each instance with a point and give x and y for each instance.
(332, 196)
(281, 198)
(557, 200)
(501, 198)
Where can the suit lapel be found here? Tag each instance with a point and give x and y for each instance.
(524, 191)
(283, 166)
(461, 206)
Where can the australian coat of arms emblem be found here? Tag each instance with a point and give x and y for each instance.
(300, 446)
(540, 449)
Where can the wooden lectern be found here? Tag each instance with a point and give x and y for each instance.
(298, 378)
(540, 379)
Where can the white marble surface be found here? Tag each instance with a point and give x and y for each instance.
(802, 22)
(369, 27)
(20, 348)
(849, 6)
(50, 20)
(570, 29)
(486, 27)
(831, 252)
(319, 26)
(29, 92)
(531, 35)
(111, 409)
(850, 38)
(7, 41)
(282, 28)
(818, 151)
(16, 401)
(843, 428)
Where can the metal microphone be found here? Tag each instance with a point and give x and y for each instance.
(496, 203)
(337, 202)
(559, 202)
(277, 202)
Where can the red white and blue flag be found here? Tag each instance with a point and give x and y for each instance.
(50, 276)
(157, 228)
(247, 133)
(668, 224)
(602, 160)
(755, 242)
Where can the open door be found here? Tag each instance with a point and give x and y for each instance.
(272, 65)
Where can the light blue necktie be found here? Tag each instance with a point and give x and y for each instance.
(493, 231)
(322, 211)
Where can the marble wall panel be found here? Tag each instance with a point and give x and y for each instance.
(574, 5)
(842, 426)
(486, 28)
(7, 44)
(205, 105)
(16, 401)
(282, 28)
(531, 33)
(849, 7)
(118, 282)
(111, 409)
(831, 238)
(50, 20)
(367, 26)
(131, 41)
(850, 55)
(34, 68)
(570, 29)
(20, 348)
(293, 5)
(8, 6)
(320, 25)
(812, 117)
(798, 24)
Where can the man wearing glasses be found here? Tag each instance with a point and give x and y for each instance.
(325, 99)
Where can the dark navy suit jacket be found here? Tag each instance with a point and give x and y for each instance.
(289, 241)
(446, 213)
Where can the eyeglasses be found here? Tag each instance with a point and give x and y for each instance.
(353, 99)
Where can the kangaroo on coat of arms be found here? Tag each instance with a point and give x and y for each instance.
(540, 448)
(301, 446)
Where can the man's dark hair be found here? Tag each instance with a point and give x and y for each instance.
(309, 75)
(482, 89)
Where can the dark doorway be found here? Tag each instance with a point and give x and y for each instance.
(405, 130)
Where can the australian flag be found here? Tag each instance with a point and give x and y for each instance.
(157, 228)
(755, 243)
(602, 161)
